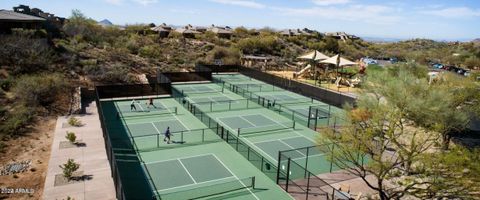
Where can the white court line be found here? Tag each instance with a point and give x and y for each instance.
(188, 129)
(240, 116)
(182, 186)
(151, 122)
(256, 147)
(156, 128)
(278, 139)
(292, 148)
(139, 105)
(296, 132)
(187, 171)
(160, 161)
(316, 155)
(236, 177)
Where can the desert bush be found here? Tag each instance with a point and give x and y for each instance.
(69, 168)
(24, 54)
(116, 73)
(14, 123)
(73, 121)
(260, 45)
(83, 29)
(150, 51)
(40, 90)
(241, 32)
(229, 56)
(6, 84)
(71, 137)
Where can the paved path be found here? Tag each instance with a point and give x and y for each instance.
(92, 159)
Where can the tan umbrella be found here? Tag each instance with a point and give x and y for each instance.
(334, 61)
(314, 55)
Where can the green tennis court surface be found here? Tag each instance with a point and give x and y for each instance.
(282, 101)
(196, 164)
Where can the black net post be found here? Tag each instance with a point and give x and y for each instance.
(306, 162)
(288, 174)
(332, 154)
(278, 166)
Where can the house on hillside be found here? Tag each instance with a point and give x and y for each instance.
(222, 31)
(186, 32)
(341, 36)
(200, 29)
(296, 32)
(52, 23)
(10, 20)
(163, 30)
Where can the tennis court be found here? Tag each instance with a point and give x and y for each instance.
(198, 88)
(260, 130)
(196, 165)
(195, 173)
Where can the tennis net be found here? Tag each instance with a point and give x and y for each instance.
(190, 92)
(295, 101)
(269, 128)
(211, 190)
(147, 113)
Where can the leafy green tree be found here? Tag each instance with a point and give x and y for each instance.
(81, 28)
(398, 120)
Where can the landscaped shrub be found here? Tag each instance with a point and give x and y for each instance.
(71, 137)
(69, 168)
(73, 121)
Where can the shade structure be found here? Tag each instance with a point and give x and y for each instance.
(343, 61)
(314, 55)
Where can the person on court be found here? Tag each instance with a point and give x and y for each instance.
(132, 105)
(150, 103)
(167, 135)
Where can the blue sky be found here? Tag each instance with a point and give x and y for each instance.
(434, 19)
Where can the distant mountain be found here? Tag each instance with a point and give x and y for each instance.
(381, 40)
(476, 40)
(105, 22)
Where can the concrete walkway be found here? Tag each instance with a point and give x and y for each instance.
(92, 157)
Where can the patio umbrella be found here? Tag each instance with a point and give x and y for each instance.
(338, 61)
(314, 55)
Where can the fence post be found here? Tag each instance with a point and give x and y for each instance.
(331, 162)
(288, 174)
(306, 162)
(181, 136)
(278, 166)
(308, 185)
(158, 140)
(203, 135)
